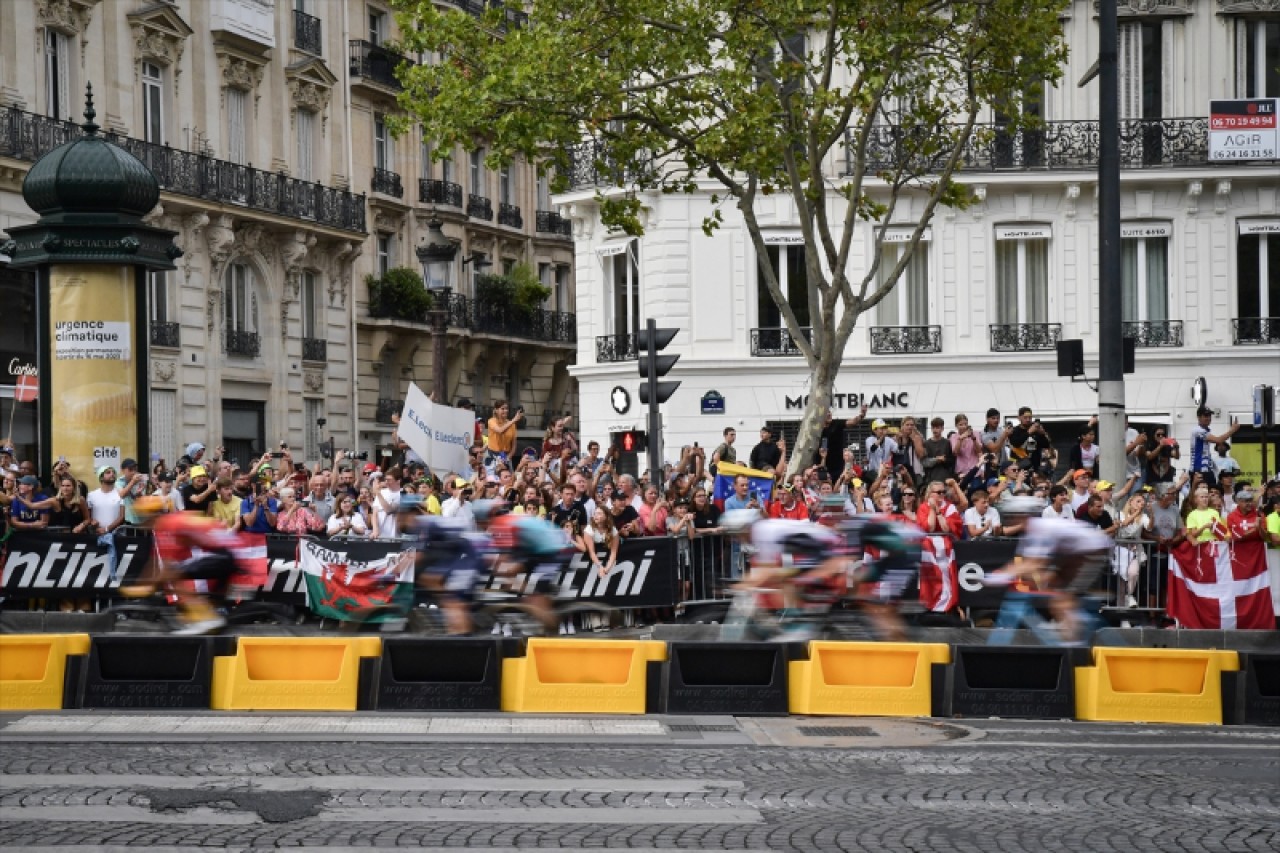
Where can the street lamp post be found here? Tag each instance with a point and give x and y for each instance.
(436, 256)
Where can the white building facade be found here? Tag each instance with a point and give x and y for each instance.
(973, 322)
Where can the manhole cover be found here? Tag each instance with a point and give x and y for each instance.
(836, 731)
(694, 727)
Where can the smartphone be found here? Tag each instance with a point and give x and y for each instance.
(824, 444)
(62, 459)
(695, 445)
(277, 455)
(754, 494)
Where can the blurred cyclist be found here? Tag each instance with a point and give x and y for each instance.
(448, 561)
(526, 544)
(888, 553)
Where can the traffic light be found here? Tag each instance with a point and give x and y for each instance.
(649, 342)
(631, 441)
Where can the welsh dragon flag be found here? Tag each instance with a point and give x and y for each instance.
(346, 580)
(1220, 585)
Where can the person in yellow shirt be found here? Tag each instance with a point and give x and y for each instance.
(427, 490)
(226, 506)
(1204, 523)
(502, 431)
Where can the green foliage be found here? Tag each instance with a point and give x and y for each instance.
(400, 294)
(518, 293)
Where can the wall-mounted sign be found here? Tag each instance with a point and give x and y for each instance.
(1244, 129)
(1023, 232)
(902, 234)
(620, 399)
(782, 238)
(881, 400)
(1138, 230)
(713, 403)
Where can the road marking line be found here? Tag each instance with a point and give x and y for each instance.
(361, 783)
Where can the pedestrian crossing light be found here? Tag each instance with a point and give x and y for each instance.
(632, 441)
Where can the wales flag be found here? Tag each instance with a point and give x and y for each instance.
(347, 580)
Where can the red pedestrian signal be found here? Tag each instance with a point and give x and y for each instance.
(629, 442)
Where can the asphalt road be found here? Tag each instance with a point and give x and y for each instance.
(106, 781)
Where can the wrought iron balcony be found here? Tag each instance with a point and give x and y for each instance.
(386, 182)
(776, 342)
(306, 32)
(1247, 331)
(238, 342)
(479, 207)
(1024, 337)
(1154, 333)
(511, 17)
(550, 222)
(1056, 145)
(535, 324)
(166, 335)
(509, 215)
(315, 349)
(431, 191)
(620, 347)
(387, 409)
(26, 136)
(375, 63)
(898, 340)
(588, 167)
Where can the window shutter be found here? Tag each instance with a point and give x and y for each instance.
(236, 131)
(305, 122)
(163, 419)
(1130, 71)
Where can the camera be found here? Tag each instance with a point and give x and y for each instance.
(363, 456)
(275, 454)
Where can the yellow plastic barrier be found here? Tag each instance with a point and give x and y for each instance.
(866, 679)
(580, 676)
(292, 673)
(33, 668)
(1153, 685)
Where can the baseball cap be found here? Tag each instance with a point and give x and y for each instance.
(459, 483)
(193, 448)
(6, 449)
(1204, 411)
(28, 480)
(1103, 486)
(129, 463)
(1245, 495)
(370, 467)
(878, 424)
(1081, 472)
(104, 469)
(198, 471)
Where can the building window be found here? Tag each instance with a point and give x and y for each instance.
(544, 192)
(1144, 253)
(477, 173)
(57, 74)
(158, 296)
(622, 289)
(1141, 63)
(788, 265)
(381, 143)
(424, 150)
(306, 129)
(240, 302)
(386, 257)
(504, 185)
(1258, 58)
(908, 303)
(562, 288)
(310, 305)
(312, 412)
(237, 126)
(1022, 274)
(1258, 269)
(446, 168)
(377, 26)
(153, 103)
(162, 420)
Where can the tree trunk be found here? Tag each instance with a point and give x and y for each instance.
(820, 388)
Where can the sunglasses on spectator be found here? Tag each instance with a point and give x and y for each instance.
(908, 494)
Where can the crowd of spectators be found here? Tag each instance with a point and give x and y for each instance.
(946, 479)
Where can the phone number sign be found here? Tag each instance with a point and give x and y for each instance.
(1244, 130)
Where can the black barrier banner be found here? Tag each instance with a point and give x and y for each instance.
(42, 564)
(644, 576)
(975, 558)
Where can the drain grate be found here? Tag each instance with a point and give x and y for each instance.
(694, 727)
(836, 731)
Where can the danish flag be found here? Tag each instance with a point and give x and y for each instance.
(27, 389)
(1220, 585)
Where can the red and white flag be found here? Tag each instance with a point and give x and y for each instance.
(1220, 585)
(939, 575)
(26, 389)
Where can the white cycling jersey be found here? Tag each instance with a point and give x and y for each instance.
(773, 538)
(1045, 539)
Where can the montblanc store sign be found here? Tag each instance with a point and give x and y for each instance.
(881, 400)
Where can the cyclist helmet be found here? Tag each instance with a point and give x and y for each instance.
(483, 510)
(1020, 505)
(738, 520)
(148, 506)
(410, 503)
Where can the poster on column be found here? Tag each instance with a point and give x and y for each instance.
(441, 435)
(92, 373)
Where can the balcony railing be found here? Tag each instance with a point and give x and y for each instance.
(479, 207)
(166, 335)
(550, 222)
(771, 342)
(1057, 145)
(898, 340)
(374, 62)
(1024, 337)
(1154, 333)
(512, 17)
(431, 191)
(588, 167)
(387, 182)
(306, 32)
(620, 347)
(315, 349)
(1247, 331)
(509, 215)
(26, 136)
(242, 343)
(387, 409)
(508, 321)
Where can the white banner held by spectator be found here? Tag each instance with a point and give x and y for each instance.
(441, 435)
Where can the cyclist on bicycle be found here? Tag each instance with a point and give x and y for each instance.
(190, 547)
(448, 561)
(526, 544)
(1063, 556)
(788, 554)
(888, 560)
